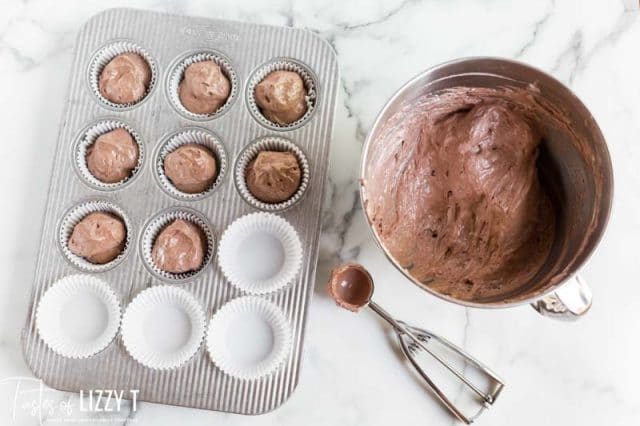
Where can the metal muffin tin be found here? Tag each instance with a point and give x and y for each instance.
(167, 39)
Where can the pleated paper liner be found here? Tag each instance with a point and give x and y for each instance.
(162, 220)
(88, 138)
(78, 212)
(192, 135)
(283, 64)
(260, 253)
(177, 74)
(249, 338)
(270, 143)
(103, 56)
(163, 327)
(78, 316)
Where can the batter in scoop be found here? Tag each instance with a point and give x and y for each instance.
(454, 194)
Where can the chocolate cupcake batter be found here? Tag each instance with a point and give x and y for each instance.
(113, 156)
(180, 247)
(191, 168)
(350, 286)
(281, 97)
(204, 88)
(273, 176)
(454, 194)
(99, 237)
(125, 79)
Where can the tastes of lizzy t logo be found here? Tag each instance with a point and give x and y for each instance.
(26, 400)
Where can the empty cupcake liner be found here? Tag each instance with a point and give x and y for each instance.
(270, 143)
(177, 73)
(188, 136)
(88, 138)
(260, 253)
(73, 216)
(78, 298)
(103, 56)
(282, 65)
(249, 338)
(153, 343)
(157, 224)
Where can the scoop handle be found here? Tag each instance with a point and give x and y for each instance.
(568, 303)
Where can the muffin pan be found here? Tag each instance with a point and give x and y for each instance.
(201, 373)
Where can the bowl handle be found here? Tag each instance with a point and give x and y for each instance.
(571, 301)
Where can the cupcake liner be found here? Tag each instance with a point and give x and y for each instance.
(88, 138)
(157, 224)
(190, 136)
(163, 327)
(249, 338)
(260, 253)
(103, 56)
(282, 65)
(74, 216)
(78, 316)
(177, 73)
(270, 143)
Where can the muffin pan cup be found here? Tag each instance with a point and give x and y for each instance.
(177, 74)
(260, 253)
(73, 293)
(283, 64)
(88, 137)
(271, 143)
(144, 356)
(74, 216)
(158, 224)
(248, 338)
(104, 55)
(150, 306)
(186, 136)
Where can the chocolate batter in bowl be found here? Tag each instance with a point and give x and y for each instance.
(488, 183)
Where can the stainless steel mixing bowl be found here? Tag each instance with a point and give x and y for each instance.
(582, 180)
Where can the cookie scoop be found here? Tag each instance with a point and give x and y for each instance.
(351, 286)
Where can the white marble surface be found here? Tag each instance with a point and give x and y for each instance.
(557, 373)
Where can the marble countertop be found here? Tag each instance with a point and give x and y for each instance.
(556, 373)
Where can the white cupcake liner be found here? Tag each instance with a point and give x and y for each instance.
(80, 290)
(157, 304)
(157, 224)
(177, 73)
(74, 215)
(88, 138)
(256, 349)
(282, 64)
(246, 247)
(270, 143)
(103, 56)
(189, 136)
